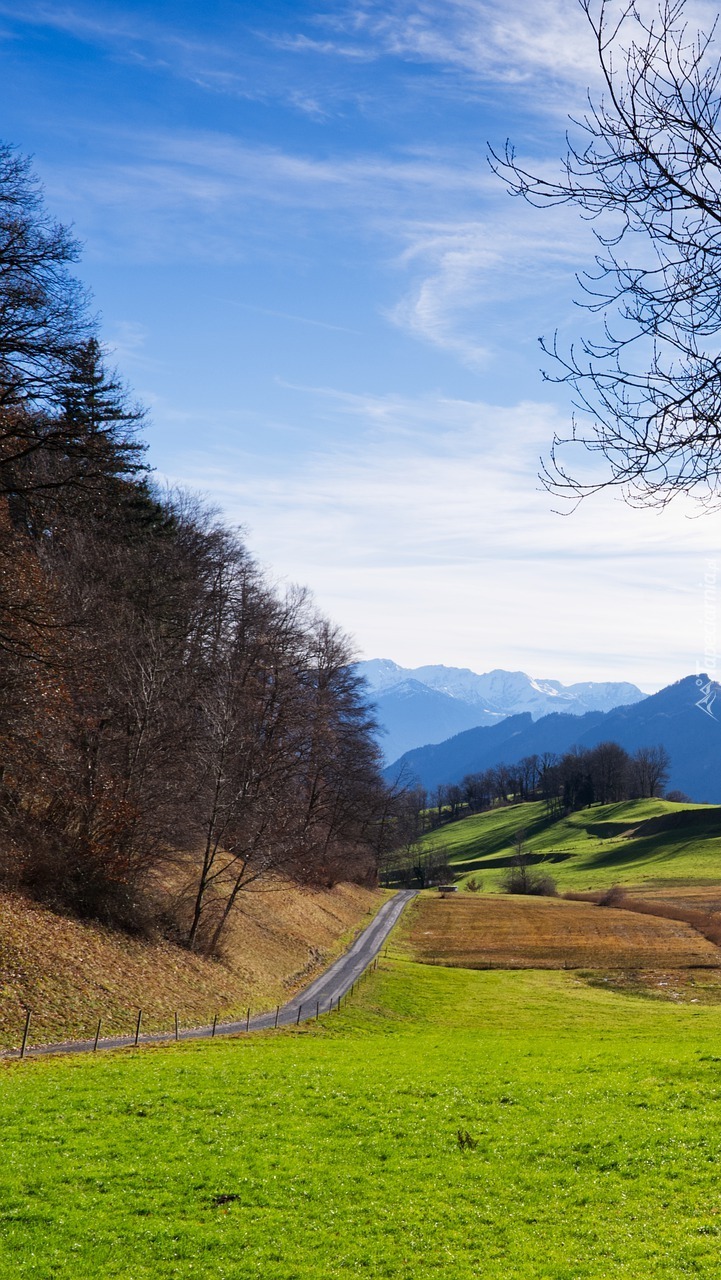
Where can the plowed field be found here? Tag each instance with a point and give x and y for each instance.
(549, 933)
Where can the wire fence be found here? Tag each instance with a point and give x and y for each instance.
(290, 1014)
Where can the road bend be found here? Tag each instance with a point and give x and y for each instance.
(321, 996)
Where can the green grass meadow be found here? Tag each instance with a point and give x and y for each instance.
(596, 1118)
(590, 849)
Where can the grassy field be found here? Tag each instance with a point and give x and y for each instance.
(484, 931)
(332, 1152)
(451, 1123)
(639, 842)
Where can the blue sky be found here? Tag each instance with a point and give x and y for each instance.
(309, 273)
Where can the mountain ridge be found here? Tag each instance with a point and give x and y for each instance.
(424, 705)
(671, 718)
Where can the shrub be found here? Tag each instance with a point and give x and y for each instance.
(613, 897)
(522, 878)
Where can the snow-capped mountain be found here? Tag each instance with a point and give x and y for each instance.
(429, 704)
(676, 718)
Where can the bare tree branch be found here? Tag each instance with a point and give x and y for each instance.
(644, 166)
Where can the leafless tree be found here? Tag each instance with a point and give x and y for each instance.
(477, 791)
(608, 772)
(245, 751)
(528, 775)
(678, 797)
(44, 309)
(643, 165)
(650, 768)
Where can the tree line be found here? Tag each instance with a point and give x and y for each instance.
(579, 778)
(172, 727)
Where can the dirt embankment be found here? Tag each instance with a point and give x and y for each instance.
(69, 974)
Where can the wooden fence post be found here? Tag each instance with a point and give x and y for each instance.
(97, 1036)
(137, 1025)
(176, 1026)
(247, 1021)
(277, 1011)
(215, 1023)
(25, 1033)
(300, 1007)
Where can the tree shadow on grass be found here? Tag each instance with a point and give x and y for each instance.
(485, 845)
(648, 849)
(498, 864)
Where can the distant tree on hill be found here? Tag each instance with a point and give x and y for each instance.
(528, 774)
(574, 780)
(650, 769)
(608, 772)
(477, 791)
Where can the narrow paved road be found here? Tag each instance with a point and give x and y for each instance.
(320, 997)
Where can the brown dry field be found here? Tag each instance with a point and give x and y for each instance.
(705, 897)
(491, 931)
(70, 973)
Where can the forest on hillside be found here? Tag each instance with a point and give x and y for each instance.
(173, 728)
(576, 779)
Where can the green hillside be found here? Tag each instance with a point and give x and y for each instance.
(635, 842)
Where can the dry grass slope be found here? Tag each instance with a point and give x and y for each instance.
(545, 933)
(69, 974)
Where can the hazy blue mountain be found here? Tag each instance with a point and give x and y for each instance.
(411, 713)
(670, 718)
(428, 704)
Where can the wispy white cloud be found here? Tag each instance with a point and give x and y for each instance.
(288, 315)
(114, 28)
(197, 193)
(161, 196)
(511, 42)
(464, 272)
(429, 526)
(480, 40)
(195, 196)
(294, 176)
(221, 66)
(300, 43)
(499, 40)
